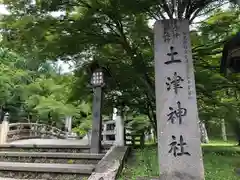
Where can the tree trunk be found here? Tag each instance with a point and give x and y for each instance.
(155, 135)
(238, 139)
(236, 128)
(2, 114)
(237, 131)
(223, 130)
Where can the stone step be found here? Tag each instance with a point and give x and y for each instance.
(50, 148)
(46, 176)
(50, 157)
(45, 171)
(41, 167)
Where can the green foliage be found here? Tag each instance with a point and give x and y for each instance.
(70, 161)
(36, 93)
(117, 35)
(138, 123)
(46, 95)
(84, 120)
(217, 95)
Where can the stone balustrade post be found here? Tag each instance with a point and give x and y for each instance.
(104, 130)
(119, 127)
(4, 128)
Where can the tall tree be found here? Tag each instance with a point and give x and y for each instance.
(114, 33)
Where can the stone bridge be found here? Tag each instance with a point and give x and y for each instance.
(19, 131)
(30, 132)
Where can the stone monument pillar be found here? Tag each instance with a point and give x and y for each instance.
(179, 145)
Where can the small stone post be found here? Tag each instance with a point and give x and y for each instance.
(68, 124)
(4, 128)
(104, 130)
(119, 138)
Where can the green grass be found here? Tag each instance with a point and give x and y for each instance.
(220, 161)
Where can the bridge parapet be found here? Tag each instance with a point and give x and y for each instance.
(112, 132)
(18, 131)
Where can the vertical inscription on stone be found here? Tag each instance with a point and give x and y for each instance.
(166, 34)
(175, 29)
(177, 114)
(174, 83)
(178, 130)
(171, 30)
(172, 54)
(185, 47)
(177, 149)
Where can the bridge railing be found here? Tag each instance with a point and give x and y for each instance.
(109, 132)
(112, 132)
(132, 138)
(17, 131)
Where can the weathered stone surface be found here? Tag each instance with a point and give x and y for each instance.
(177, 116)
(41, 141)
(119, 131)
(109, 167)
(47, 157)
(49, 148)
(3, 131)
(179, 176)
(72, 150)
(46, 150)
(53, 155)
(237, 170)
(40, 176)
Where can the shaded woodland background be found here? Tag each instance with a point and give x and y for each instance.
(119, 36)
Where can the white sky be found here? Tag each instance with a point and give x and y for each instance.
(65, 67)
(3, 10)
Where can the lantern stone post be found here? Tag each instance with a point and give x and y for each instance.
(97, 83)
